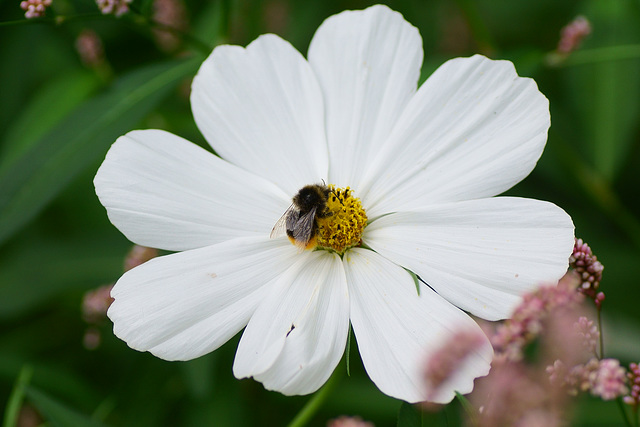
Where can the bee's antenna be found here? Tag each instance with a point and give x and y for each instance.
(337, 196)
(334, 192)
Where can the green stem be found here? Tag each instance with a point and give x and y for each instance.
(600, 191)
(137, 18)
(347, 353)
(57, 20)
(17, 395)
(226, 18)
(18, 22)
(311, 407)
(599, 315)
(592, 56)
(625, 416)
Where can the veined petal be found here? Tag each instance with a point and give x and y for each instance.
(261, 108)
(474, 129)
(187, 304)
(297, 336)
(368, 65)
(164, 192)
(480, 255)
(397, 330)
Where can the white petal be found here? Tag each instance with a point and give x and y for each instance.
(473, 130)
(261, 108)
(297, 335)
(187, 304)
(481, 255)
(164, 192)
(368, 64)
(397, 330)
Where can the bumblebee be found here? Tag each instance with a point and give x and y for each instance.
(299, 220)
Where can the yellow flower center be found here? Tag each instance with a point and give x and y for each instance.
(341, 224)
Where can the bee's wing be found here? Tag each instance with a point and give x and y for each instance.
(281, 225)
(303, 228)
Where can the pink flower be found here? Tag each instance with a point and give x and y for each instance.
(89, 47)
(95, 304)
(633, 375)
(587, 266)
(588, 332)
(609, 381)
(116, 7)
(517, 395)
(34, 8)
(603, 378)
(346, 421)
(527, 320)
(573, 34)
(138, 255)
(443, 365)
(169, 13)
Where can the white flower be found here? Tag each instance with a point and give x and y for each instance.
(425, 163)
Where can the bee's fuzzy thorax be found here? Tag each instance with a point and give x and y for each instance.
(311, 196)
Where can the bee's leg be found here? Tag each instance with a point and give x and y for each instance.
(326, 213)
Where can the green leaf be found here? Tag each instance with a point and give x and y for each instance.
(76, 264)
(209, 24)
(34, 178)
(591, 411)
(347, 352)
(49, 105)
(605, 93)
(409, 416)
(57, 413)
(29, 55)
(414, 416)
(199, 375)
(17, 395)
(56, 377)
(416, 281)
(468, 408)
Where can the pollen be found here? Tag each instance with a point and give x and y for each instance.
(343, 221)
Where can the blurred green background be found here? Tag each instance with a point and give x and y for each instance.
(60, 111)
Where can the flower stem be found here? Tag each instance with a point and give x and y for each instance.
(592, 56)
(137, 18)
(18, 22)
(599, 316)
(311, 407)
(624, 413)
(60, 19)
(599, 189)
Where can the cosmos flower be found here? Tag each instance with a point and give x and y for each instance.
(422, 168)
